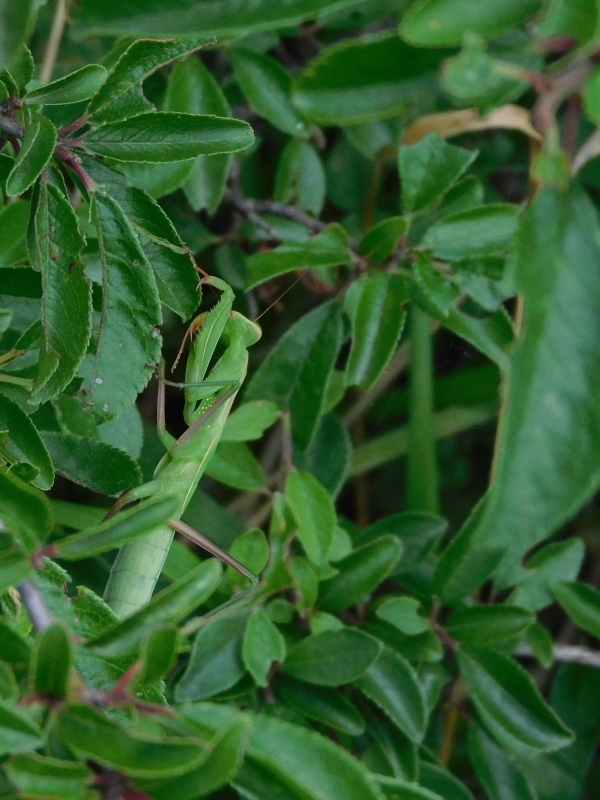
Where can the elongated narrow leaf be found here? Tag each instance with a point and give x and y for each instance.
(263, 645)
(216, 662)
(24, 442)
(332, 658)
(267, 86)
(193, 89)
(13, 229)
(402, 790)
(18, 734)
(42, 776)
(52, 661)
(327, 706)
(24, 510)
(582, 604)
(375, 307)
(174, 272)
(510, 705)
(360, 573)
(486, 626)
(314, 512)
(92, 463)
(15, 17)
(90, 734)
(129, 342)
(382, 239)
(482, 231)
(73, 88)
(545, 468)
(222, 758)
(300, 179)
(361, 80)
(121, 95)
(219, 17)
(234, 464)
(36, 150)
(14, 568)
(392, 684)
(434, 23)
(327, 249)
(249, 421)
(171, 605)
(55, 244)
(498, 773)
(165, 136)
(126, 527)
(158, 654)
(429, 169)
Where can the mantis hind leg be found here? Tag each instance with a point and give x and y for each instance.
(195, 536)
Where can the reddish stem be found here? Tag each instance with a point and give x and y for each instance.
(74, 126)
(74, 162)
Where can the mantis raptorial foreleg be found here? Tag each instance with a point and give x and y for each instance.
(207, 405)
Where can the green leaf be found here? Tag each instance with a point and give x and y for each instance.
(582, 604)
(361, 80)
(174, 271)
(305, 581)
(24, 442)
(591, 96)
(559, 561)
(510, 705)
(193, 89)
(24, 510)
(222, 758)
(170, 605)
(327, 249)
(437, 779)
(249, 421)
(332, 658)
(487, 626)
(300, 179)
(429, 169)
(55, 244)
(374, 305)
(251, 549)
(566, 19)
(434, 23)
(13, 229)
(216, 662)
(314, 512)
(129, 340)
(296, 372)
(73, 88)
(417, 530)
(18, 733)
(165, 136)
(402, 790)
(121, 95)
(91, 735)
(125, 432)
(267, 86)
(52, 661)
(42, 776)
(15, 17)
(35, 153)
(15, 649)
(392, 684)
(545, 468)
(234, 464)
(481, 231)
(360, 573)
(124, 528)
(497, 772)
(14, 568)
(402, 613)
(263, 645)
(92, 463)
(323, 705)
(222, 18)
(392, 752)
(328, 457)
(382, 239)
(158, 653)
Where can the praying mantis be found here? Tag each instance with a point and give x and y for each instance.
(207, 405)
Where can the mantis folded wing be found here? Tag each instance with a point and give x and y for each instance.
(207, 404)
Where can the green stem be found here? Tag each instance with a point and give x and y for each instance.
(26, 383)
(422, 481)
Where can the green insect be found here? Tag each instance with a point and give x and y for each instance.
(207, 405)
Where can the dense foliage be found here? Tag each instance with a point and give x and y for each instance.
(404, 196)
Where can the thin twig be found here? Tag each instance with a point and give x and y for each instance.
(53, 44)
(34, 603)
(288, 212)
(566, 653)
